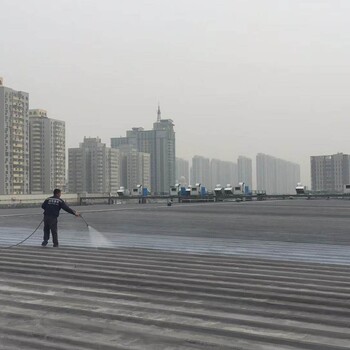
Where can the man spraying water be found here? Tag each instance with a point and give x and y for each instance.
(52, 207)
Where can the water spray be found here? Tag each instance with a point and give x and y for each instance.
(96, 238)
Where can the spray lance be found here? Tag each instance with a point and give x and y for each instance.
(84, 221)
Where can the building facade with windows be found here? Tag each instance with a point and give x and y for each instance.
(329, 173)
(14, 141)
(93, 167)
(135, 168)
(160, 144)
(47, 152)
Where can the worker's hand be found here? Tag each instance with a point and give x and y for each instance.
(77, 214)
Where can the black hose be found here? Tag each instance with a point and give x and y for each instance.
(17, 244)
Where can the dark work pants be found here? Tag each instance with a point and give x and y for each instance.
(50, 223)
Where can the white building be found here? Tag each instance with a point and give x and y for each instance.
(135, 168)
(200, 171)
(47, 152)
(245, 171)
(222, 172)
(182, 171)
(14, 141)
(276, 176)
(93, 168)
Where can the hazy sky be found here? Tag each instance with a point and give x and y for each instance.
(238, 77)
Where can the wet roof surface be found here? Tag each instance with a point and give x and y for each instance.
(258, 275)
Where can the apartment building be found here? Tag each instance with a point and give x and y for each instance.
(329, 173)
(275, 175)
(182, 171)
(223, 173)
(245, 171)
(14, 141)
(135, 168)
(93, 167)
(200, 171)
(160, 144)
(47, 152)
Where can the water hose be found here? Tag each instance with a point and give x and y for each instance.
(17, 244)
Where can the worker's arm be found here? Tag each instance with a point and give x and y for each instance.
(65, 207)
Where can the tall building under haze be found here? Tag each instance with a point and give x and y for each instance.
(245, 171)
(182, 171)
(200, 171)
(93, 167)
(276, 176)
(47, 152)
(223, 173)
(135, 168)
(329, 173)
(229, 172)
(215, 173)
(14, 141)
(160, 144)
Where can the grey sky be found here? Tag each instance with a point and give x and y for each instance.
(237, 77)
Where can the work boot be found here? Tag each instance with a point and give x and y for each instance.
(44, 244)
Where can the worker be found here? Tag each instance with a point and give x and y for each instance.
(52, 207)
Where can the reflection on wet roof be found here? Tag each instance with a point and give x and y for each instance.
(263, 275)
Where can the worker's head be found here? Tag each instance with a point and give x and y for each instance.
(57, 192)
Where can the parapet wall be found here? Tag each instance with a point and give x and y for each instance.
(34, 200)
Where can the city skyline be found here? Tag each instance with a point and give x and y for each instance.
(188, 158)
(140, 150)
(242, 77)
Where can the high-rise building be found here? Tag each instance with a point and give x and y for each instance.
(223, 173)
(215, 173)
(14, 141)
(182, 171)
(47, 152)
(229, 173)
(245, 171)
(276, 176)
(135, 168)
(160, 144)
(200, 171)
(329, 173)
(93, 167)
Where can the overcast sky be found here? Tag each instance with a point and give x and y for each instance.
(238, 77)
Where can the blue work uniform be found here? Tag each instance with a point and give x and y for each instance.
(52, 207)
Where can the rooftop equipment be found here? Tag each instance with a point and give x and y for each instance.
(229, 190)
(219, 190)
(196, 190)
(300, 189)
